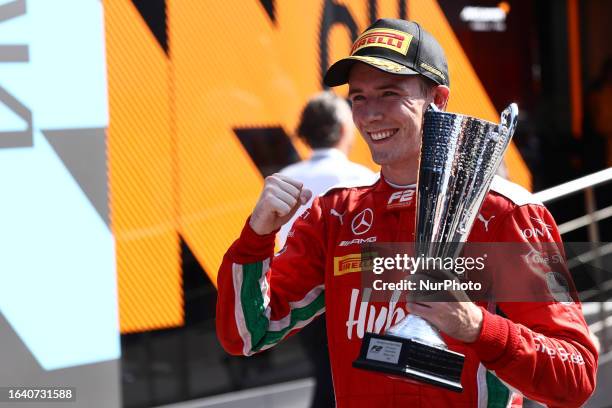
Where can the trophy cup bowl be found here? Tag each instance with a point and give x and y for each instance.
(459, 157)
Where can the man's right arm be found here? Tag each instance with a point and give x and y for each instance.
(264, 298)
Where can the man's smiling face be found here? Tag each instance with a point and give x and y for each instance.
(388, 111)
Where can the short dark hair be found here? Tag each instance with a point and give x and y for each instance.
(322, 119)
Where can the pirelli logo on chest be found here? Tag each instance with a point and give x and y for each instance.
(395, 40)
(351, 263)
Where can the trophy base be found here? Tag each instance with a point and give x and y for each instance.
(411, 359)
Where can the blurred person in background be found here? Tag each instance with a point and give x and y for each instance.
(542, 350)
(326, 126)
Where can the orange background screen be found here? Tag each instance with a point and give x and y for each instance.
(177, 168)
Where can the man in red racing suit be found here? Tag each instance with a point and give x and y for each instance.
(541, 350)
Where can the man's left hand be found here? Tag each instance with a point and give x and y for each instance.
(460, 320)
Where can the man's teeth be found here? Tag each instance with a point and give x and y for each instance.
(382, 134)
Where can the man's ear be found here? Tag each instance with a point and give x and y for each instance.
(441, 94)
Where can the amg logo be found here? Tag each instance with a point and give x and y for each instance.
(357, 241)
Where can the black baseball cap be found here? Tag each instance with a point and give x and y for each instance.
(396, 46)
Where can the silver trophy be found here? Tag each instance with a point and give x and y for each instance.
(459, 157)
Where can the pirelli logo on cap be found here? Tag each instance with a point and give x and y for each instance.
(395, 40)
(352, 263)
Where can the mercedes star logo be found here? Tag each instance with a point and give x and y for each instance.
(362, 222)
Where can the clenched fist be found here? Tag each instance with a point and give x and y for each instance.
(280, 199)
